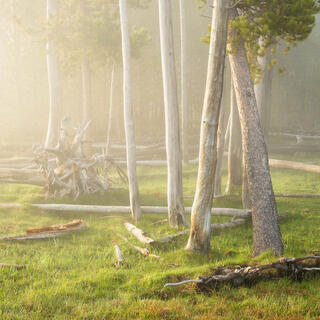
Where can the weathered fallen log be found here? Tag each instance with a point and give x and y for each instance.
(225, 212)
(297, 136)
(49, 232)
(296, 195)
(159, 222)
(14, 266)
(215, 226)
(283, 164)
(138, 233)
(143, 251)
(292, 267)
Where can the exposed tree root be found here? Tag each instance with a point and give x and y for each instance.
(294, 268)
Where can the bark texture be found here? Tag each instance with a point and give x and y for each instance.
(199, 239)
(266, 230)
(234, 148)
(184, 83)
(128, 114)
(53, 81)
(174, 162)
(263, 92)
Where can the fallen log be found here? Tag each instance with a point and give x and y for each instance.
(14, 266)
(224, 212)
(138, 233)
(49, 232)
(283, 164)
(159, 222)
(21, 176)
(215, 226)
(292, 267)
(143, 251)
(295, 195)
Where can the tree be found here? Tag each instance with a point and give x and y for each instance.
(234, 148)
(128, 114)
(184, 82)
(266, 230)
(199, 238)
(175, 193)
(54, 80)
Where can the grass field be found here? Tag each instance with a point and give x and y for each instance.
(73, 277)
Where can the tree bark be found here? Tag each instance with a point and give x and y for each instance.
(266, 230)
(263, 92)
(220, 148)
(199, 239)
(128, 114)
(111, 111)
(175, 193)
(234, 148)
(184, 83)
(53, 81)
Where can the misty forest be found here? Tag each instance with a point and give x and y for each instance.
(160, 159)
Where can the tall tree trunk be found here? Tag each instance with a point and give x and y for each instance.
(86, 90)
(220, 148)
(263, 92)
(245, 195)
(234, 148)
(111, 111)
(199, 239)
(53, 81)
(175, 193)
(128, 114)
(184, 83)
(266, 230)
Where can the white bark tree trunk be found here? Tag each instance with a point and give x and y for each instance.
(111, 111)
(128, 114)
(234, 148)
(53, 82)
(199, 239)
(175, 193)
(184, 83)
(266, 230)
(263, 92)
(86, 90)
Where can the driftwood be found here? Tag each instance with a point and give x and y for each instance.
(295, 195)
(138, 233)
(49, 232)
(68, 170)
(223, 212)
(295, 268)
(143, 251)
(215, 226)
(283, 164)
(14, 266)
(159, 222)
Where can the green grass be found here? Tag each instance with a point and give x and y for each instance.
(73, 277)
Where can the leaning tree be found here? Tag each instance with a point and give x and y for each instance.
(251, 21)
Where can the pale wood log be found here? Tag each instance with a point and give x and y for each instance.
(21, 176)
(143, 251)
(298, 195)
(224, 212)
(215, 226)
(297, 135)
(159, 222)
(14, 266)
(128, 114)
(120, 260)
(50, 234)
(138, 233)
(284, 164)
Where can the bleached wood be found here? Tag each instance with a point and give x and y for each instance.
(175, 193)
(138, 233)
(284, 164)
(199, 239)
(128, 114)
